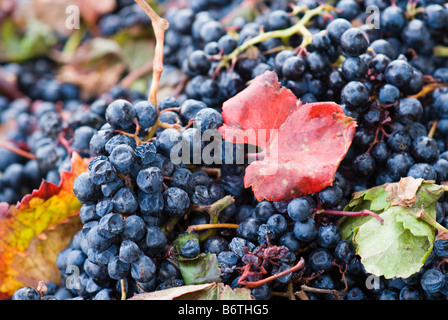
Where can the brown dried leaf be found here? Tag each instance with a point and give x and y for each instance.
(207, 291)
(403, 193)
(96, 66)
(172, 293)
(441, 235)
(53, 13)
(92, 10)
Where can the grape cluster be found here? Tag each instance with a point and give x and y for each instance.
(136, 200)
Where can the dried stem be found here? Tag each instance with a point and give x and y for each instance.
(123, 289)
(205, 226)
(159, 25)
(433, 129)
(18, 151)
(335, 293)
(428, 88)
(254, 284)
(127, 81)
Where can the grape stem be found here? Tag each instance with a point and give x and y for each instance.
(254, 284)
(123, 289)
(159, 25)
(334, 292)
(299, 27)
(206, 226)
(433, 129)
(213, 210)
(18, 151)
(127, 81)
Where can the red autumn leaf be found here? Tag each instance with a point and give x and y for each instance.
(304, 154)
(263, 105)
(35, 230)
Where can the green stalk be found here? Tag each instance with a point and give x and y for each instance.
(299, 27)
(440, 51)
(429, 220)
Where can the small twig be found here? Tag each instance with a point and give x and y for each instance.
(216, 172)
(127, 81)
(428, 88)
(205, 226)
(333, 292)
(123, 289)
(433, 129)
(18, 151)
(159, 25)
(254, 284)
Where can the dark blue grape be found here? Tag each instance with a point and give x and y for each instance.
(320, 259)
(248, 229)
(190, 249)
(123, 158)
(432, 280)
(145, 153)
(388, 94)
(154, 242)
(84, 189)
(150, 180)
(344, 251)
(425, 149)
(129, 251)
(125, 201)
(119, 140)
(293, 68)
(120, 114)
(393, 19)
(305, 231)
(133, 228)
(328, 236)
(118, 269)
(354, 42)
(398, 73)
(26, 293)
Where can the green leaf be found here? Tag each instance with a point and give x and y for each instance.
(18, 46)
(201, 270)
(396, 248)
(400, 245)
(374, 199)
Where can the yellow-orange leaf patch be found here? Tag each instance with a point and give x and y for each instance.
(36, 229)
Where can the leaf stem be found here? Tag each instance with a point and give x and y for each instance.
(429, 220)
(362, 213)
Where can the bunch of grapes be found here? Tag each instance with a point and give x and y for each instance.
(137, 200)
